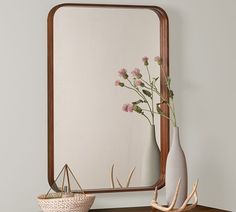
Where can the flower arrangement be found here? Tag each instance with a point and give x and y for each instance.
(146, 91)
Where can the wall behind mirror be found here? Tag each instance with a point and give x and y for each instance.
(91, 132)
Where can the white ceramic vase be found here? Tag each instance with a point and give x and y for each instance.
(150, 160)
(176, 168)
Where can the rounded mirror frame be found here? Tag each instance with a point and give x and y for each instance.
(164, 123)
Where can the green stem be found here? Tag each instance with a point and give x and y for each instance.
(147, 87)
(174, 116)
(145, 82)
(167, 84)
(151, 84)
(149, 76)
(139, 93)
(171, 105)
(173, 121)
(133, 90)
(147, 118)
(163, 99)
(152, 104)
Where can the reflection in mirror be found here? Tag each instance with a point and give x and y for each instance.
(104, 145)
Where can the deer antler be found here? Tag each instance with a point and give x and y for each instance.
(128, 180)
(184, 206)
(112, 176)
(154, 203)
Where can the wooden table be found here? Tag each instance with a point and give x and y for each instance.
(149, 209)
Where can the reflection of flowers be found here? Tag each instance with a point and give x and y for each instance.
(158, 60)
(145, 61)
(123, 73)
(127, 107)
(118, 83)
(136, 73)
(146, 90)
(139, 83)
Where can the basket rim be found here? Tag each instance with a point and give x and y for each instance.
(42, 196)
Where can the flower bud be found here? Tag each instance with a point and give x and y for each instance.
(139, 83)
(145, 61)
(137, 109)
(125, 107)
(158, 60)
(130, 107)
(123, 73)
(136, 73)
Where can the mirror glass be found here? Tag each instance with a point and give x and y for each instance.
(91, 132)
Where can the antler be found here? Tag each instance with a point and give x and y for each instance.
(128, 180)
(112, 176)
(154, 203)
(184, 206)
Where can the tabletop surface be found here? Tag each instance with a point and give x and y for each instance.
(149, 209)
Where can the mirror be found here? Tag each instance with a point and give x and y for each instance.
(87, 129)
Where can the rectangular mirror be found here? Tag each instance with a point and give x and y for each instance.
(87, 129)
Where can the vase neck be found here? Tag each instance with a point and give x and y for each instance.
(153, 128)
(176, 130)
(175, 136)
(153, 131)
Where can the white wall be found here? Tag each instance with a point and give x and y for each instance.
(203, 47)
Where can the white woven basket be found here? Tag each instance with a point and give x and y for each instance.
(55, 203)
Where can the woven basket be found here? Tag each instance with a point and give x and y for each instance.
(64, 201)
(55, 203)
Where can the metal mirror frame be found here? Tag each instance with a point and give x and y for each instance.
(164, 123)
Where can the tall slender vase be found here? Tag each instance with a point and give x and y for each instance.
(176, 168)
(150, 160)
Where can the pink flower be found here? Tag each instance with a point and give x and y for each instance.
(139, 83)
(123, 73)
(145, 60)
(158, 60)
(130, 107)
(117, 83)
(127, 107)
(136, 73)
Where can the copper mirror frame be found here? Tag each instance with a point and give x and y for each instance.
(164, 123)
